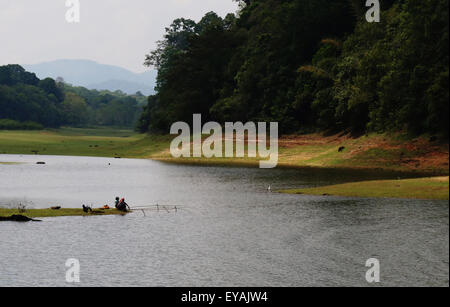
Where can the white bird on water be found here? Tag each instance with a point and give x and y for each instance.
(269, 189)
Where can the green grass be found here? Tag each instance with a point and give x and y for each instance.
(35, 213)
(436, 188)
(311, 151)
(98, 131)
(81, 142)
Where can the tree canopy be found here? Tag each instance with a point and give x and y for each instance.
(309, 65)
(26, 101)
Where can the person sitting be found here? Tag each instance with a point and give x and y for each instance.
(122, 205)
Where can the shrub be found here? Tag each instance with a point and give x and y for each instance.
(9, 124)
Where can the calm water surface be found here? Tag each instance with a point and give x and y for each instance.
(229, 230)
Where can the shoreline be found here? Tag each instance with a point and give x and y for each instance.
(378, 152)
(203, 162)
(369, 157)
(245, 163)
(431, 188)
(47, 213)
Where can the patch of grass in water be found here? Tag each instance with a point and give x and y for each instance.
(36, 213)
(435, 188)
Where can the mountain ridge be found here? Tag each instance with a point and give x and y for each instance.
(94, 75)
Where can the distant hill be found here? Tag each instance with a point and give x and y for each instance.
(93, 75)
(28, 103)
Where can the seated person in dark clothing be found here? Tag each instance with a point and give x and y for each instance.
(122, 205)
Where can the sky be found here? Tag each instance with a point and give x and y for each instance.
(115, 32)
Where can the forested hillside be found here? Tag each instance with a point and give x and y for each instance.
(102, 108)
(308, 64)
(29, 103)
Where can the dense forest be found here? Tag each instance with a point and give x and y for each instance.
(309, 65)
(29, 103)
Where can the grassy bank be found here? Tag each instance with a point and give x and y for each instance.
(376, 152)
(78, 142)
(422, 188)
(373, 152)
(36, 213)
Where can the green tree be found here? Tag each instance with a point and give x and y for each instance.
(75, 110)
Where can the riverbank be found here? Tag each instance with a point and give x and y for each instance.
(436, 188)
(421, 155)
(372, 152)
(40, 213)
(417, 157)
(387, 156)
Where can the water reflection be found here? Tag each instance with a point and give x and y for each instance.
(228, 232)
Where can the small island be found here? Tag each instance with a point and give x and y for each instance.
(436, 188)
(13, 214)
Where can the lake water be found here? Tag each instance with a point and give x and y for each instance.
(228, 231)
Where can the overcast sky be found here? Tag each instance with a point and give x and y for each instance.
(117, 32)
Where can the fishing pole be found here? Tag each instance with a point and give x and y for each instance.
(156, 207)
